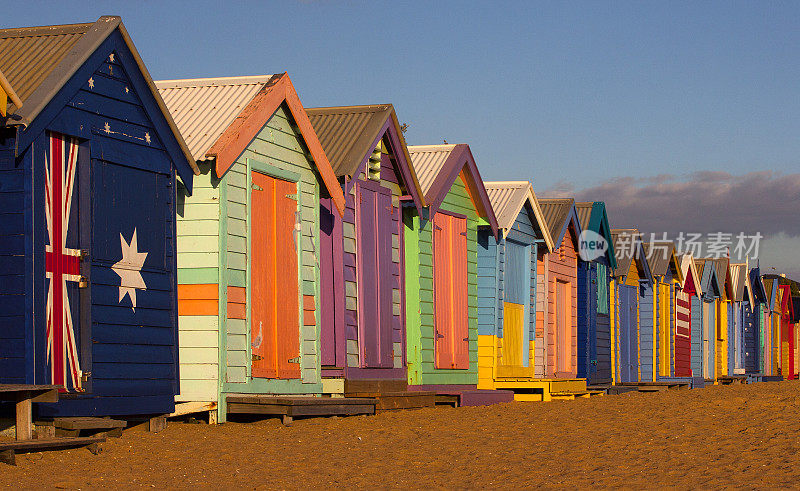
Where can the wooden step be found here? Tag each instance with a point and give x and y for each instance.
(572, 395)
(289, 407)
(9, 449)
(73, 426)
(387, 401)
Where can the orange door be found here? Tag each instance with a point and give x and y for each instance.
(450, 291)
(274, 303)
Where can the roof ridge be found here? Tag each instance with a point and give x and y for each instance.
(354, 108)
(518, 184)
(429, 148)
(52, 30)
(210, 81)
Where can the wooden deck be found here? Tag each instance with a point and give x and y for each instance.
(615, 390)
(544, 389)
(389, 395)
(25, 396)
(289, 407)
(732, 379)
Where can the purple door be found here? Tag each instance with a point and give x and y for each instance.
(332, 286)
(373, 263)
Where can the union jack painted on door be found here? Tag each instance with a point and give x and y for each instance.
(62, 264)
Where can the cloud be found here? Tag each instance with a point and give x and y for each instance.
(705, 202)
(765, 202)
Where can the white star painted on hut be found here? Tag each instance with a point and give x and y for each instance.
(129, 269)
(91, 82)
(147, 137)
(107, 127)
(111, 57)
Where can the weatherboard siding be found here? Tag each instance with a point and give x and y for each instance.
(562, 266)
(419, 291)
(198, 289)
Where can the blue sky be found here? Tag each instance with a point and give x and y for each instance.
(566, 94)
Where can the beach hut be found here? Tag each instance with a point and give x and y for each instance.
(704, 359)
(441, 274)
(594, 308)
(362, 266)
(89, 159)
(507, 288)
(667, 279)
(752, 319)
(740, 320)
(770, 329)
(688, 320)
(560, 278)
(723, 318)
(632, 278)
(249, 247)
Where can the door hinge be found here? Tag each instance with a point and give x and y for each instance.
(257, 357)
(296, 359)
(84, 255)
(85, 376)
(83, 282)
(256, 187)
(292, 196)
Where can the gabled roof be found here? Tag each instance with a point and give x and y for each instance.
(508, 199)
(689, 270)
(759, 292)
(740, 282)
(39, 61)
(592, 216)
(7, 94)
(349, 134)
(712, 285)
(559, 213)
(629, 247)
(438, 167)
(722, 266)
(661, 257)
(221, 116)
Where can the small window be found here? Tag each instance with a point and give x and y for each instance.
(602, 289)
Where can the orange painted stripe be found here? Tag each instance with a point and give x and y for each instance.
(308, 302)
(309, 318)
(237, 294)
(198, 307)
(198, 292)
(237, 311)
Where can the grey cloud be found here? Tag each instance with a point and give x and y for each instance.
(707, 201)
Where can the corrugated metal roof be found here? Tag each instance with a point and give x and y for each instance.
(507, 198)
(428, 160)
(556, 212)
(29, 54)
(347, 132)
(584, 211)
(659, 256)
(204, 107)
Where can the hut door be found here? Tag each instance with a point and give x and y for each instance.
(374, 260)
(274, 295)
(628, 342)
(450, 291)
(517, 290)
(683, 340)
(563, 327)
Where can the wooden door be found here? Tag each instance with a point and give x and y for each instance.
(274, 294)
(683, 334)
(450, 291)
(563, 326)
(373, 263)
(627, 326)
(722, 339)
(517, 293)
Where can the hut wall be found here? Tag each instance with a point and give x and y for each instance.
(198, 288)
